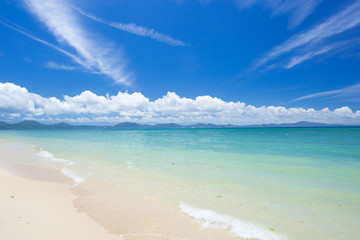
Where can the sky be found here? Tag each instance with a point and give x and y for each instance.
(180, 61)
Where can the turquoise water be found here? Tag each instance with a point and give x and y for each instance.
(302, 183)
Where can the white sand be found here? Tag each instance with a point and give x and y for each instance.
(39, 202)
(32, 209)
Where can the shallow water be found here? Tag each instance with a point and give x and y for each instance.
(297, 183)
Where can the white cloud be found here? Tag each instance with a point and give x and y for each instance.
(95, 54)
(22, 31)
(136, 29)
(350, 91)
(340, 46)
(298, 10)
(307, 56)
(314, 39)
(148, 32)
(59, 66)
(88, 107)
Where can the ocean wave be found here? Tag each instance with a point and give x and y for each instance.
(210, 219)
(49, 155)
(67, 172)
(76, 178)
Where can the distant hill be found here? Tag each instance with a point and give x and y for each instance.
(128, 125)
(295, 125)
(2, 123)
(34, 125)
(28, 124)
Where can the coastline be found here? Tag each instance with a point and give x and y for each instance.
(186, 185)
(41, 202)
(42, 209)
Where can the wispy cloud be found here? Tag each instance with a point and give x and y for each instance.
(59, 66)
(298, 10)
(148, 32)
(302, 58)
(24, 32)
(333, 47)
(314, 41)
(95, 54)
(347, 92)
(135, 29)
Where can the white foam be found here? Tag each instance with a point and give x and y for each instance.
(49, 155)
(210, 219)
(128, 164)
(76, 178)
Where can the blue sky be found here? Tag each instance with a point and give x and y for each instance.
(285, 59)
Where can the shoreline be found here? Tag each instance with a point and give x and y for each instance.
(176, 185)
(42, 209)
(40, 202)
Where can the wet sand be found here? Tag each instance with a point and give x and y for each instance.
(33, 209)
(39, 202)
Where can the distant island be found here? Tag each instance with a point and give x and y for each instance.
(34, 125)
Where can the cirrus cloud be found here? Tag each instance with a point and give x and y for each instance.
(135, 29)
(298, 10)
(93, 53)
(318, 40)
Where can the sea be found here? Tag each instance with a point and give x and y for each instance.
(259, 183)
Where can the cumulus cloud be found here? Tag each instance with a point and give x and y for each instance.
(88, 107)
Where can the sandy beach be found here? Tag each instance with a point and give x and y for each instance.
(39, 202)
(39, 205)
(33, 209)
